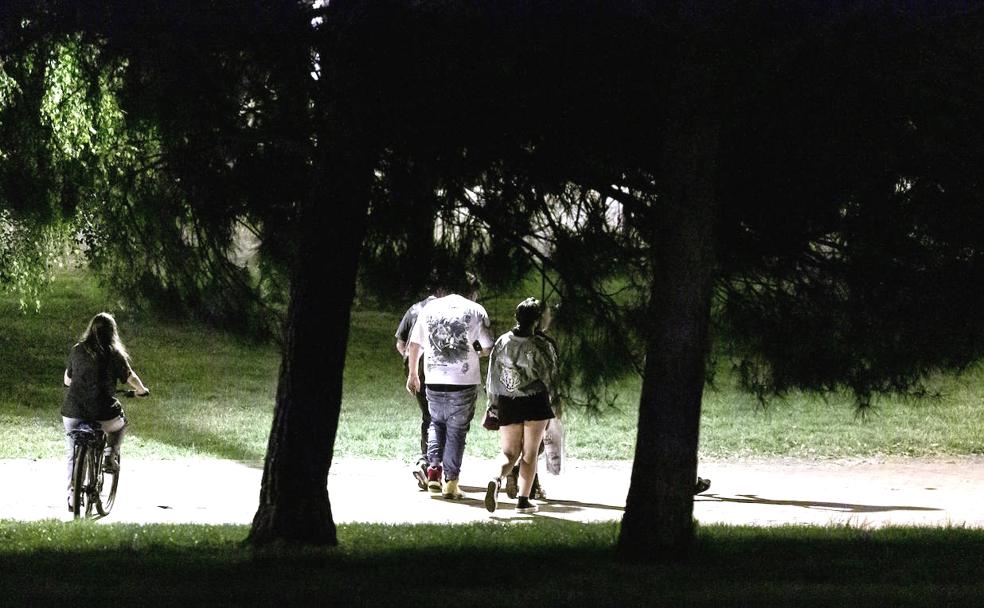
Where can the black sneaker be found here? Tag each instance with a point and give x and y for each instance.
(492, 495)
(524, 506)
(702, 485)
(111, 462)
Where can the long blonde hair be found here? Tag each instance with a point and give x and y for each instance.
(102, 336)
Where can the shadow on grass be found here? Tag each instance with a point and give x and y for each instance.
(47, 421)
(541, 563)
(205, 443)
(33, 382)
(810, 504)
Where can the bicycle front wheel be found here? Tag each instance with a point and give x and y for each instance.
(106, 482)
(79, 468)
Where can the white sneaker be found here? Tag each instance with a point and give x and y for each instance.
(420, 476)
(492, 495)
(450, 490)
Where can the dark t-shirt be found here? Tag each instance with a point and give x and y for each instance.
(403, 333)
(409, 318)
(91, 395)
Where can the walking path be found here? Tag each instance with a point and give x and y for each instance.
(864, 493)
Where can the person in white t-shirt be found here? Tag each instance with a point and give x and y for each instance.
(451, 333)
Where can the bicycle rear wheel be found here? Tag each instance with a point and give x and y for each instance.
(106, 483)
(91, 479)
(79, 467)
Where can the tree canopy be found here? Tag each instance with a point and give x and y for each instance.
(808, 172)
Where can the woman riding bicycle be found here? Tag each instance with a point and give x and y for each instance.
(95, 365)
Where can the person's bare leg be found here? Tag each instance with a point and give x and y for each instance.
(532, 435)
(510, 444)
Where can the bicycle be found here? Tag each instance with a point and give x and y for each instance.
(93, 487)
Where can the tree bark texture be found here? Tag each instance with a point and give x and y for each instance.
(658, 520)
(294, 503)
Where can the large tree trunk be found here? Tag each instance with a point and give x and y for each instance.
(658, 521)
(294, 504)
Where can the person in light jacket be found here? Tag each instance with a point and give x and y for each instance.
(522, 367)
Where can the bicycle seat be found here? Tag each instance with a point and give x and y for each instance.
(85, 433)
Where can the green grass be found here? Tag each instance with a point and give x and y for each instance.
(213, 396)
(541, 563)
(211, 392)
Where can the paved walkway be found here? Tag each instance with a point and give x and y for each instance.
(762, 492)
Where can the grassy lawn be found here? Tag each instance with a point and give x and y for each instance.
(548, 563)
(213, 396)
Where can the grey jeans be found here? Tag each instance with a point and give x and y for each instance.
(451, 414)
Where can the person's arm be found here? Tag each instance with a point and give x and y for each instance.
(67, 380)
(482, 352)
(134, 381)
(404, 329)
(489, 385)
(485, 339)
(413, 378)
(546, 319)
(551, 364)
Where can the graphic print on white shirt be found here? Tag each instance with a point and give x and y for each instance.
(449, 339)
(446, 328)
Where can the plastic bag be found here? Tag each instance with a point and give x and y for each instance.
(553, 446)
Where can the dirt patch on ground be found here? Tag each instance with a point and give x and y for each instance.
(864, 493)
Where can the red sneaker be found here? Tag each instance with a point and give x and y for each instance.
(434, 479)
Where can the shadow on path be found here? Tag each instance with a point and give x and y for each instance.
(566, 506)
(545, 506)
(809, 504)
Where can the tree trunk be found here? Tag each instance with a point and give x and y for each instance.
(294, 504)
(658, 520)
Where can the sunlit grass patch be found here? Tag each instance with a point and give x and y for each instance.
(213, 395)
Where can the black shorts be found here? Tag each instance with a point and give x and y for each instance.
(513, 410)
